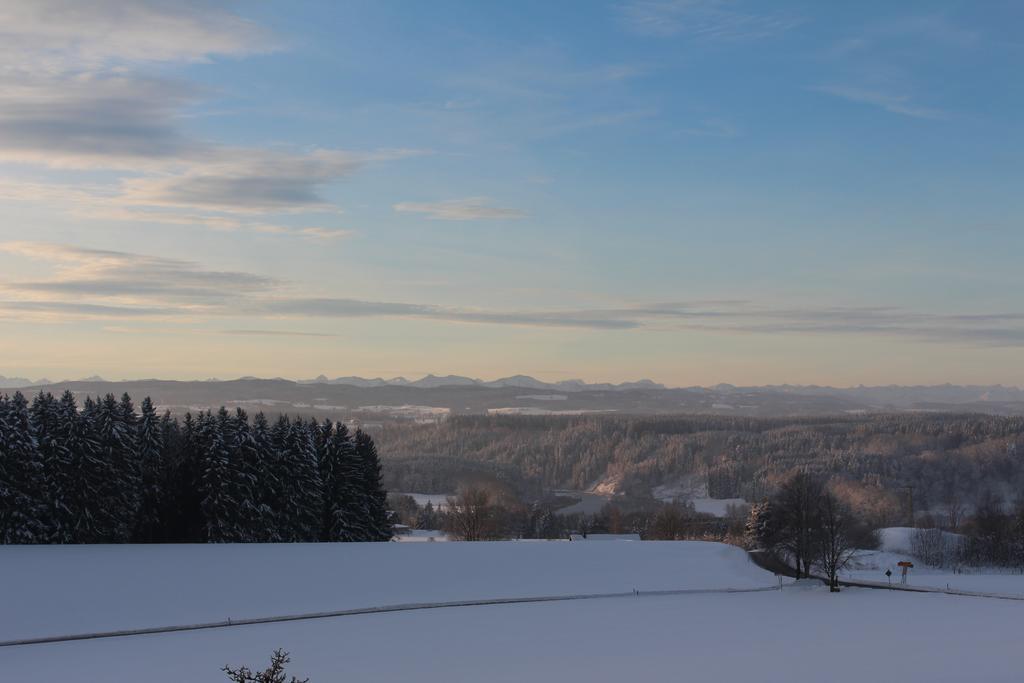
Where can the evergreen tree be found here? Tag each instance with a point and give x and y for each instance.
(106, 475)
(350, 519)
(339, 494)
(45, 416)
(267, 489)
(150, 441)
(301, 488)
(426, 518)
(23, 512)
(278, 488)
(245, 473)
(87, 475)
(217, 505)
(114, 425)
(378, 522)
(184, 492)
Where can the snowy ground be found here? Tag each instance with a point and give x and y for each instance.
(592, 503)
(898, 539)
(53, 590)
(870, 565)
(696, 492)
(588, 503)
(794, 634)
(719, 507)
(423, 536)
(855, 636)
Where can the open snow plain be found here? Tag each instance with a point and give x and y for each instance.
(870, 565)
(797, 633)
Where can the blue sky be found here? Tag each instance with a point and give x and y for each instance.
(690, 190)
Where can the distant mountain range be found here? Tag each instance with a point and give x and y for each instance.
(433, 396)
(517, 381)
(20, 382)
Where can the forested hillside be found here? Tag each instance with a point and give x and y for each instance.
(884, 464)
(109, 474)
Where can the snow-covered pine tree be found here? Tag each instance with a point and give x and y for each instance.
(218, 508)
(375, 497)
(88, 474)
(267, 492)
(23, 512)
(45, 417)
(183, 490)
(150, 440)
(351, 519)
(278, 467)
(322, 432)
(341, 496)
(113, 422)
(245, 469)
(63, 481)
(302, 491)
(426, 518)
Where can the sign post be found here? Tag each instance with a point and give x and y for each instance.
(905, 566)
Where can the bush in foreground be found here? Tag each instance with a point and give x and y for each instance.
(275, 673)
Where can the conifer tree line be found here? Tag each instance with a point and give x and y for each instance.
(106, 473)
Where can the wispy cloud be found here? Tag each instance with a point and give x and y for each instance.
(326, 307)
(61, 310)
(468, 209)
(247, 181)
(113, 285)
(109, 280)
(276, 333)
(704, 19)
(103, 203)
(74, 94)
(67, 34)
(93, 120)
(894, 104)
(937, 29)
(323, 233)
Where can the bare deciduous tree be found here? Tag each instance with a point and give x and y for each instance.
(797, 508)
(470, 514)
(836, 535)
(669, 524)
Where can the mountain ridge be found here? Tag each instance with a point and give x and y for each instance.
(875, 395)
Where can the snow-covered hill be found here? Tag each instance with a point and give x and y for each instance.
(803, 633)
(51, 590)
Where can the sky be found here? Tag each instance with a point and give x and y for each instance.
(692, 191)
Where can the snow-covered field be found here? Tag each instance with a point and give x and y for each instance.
(719, 507)
(794, 634)
(696, 492)
(588, 503)
(423, 536)
(871, 566)
(895, 546)
(52, 590)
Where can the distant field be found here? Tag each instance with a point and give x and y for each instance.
(871, 566)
